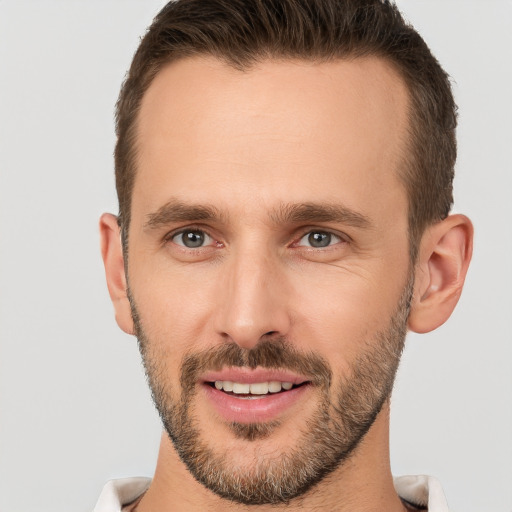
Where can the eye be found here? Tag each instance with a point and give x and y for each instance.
(192, 238)
(319, 239)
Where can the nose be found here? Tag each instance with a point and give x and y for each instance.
(253, 299)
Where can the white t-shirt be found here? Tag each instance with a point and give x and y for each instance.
(420, 490)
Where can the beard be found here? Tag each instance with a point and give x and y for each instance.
(345, 412)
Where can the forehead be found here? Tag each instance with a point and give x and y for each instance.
(308, 130)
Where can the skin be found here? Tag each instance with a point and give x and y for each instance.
(282, 133)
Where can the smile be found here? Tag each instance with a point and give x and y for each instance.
(256, 388)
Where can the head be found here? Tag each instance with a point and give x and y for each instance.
(284, 174)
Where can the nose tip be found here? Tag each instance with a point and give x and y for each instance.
(249, 332)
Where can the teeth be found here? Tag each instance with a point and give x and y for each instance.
(261, 388)
(257, 388)
(241, 389)
(274, 386)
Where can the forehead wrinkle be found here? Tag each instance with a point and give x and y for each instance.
(319, 212)
(178, 211)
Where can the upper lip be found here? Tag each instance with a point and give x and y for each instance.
(252, 376)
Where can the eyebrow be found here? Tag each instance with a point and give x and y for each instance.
(292, 213)
(177, 211)
(320, 212)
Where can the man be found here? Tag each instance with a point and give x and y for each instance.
(284, 172)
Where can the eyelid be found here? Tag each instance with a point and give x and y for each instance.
(207, 239)
(344, 238)
(168, 237)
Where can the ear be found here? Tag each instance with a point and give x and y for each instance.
(443, 261)
(112, 253)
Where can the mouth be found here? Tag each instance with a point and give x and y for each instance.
(254, 396)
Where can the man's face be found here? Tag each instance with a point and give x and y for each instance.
(268, 248)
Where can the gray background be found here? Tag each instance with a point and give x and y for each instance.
(74, 408)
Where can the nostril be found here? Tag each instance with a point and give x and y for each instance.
(270, 333)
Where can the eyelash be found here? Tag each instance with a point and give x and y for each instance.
(342, 238)
(173, 234)
(330, 234)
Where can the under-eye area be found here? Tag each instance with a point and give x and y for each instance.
(255, 389)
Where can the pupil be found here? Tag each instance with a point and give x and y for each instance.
(193, 239)
(319, 239)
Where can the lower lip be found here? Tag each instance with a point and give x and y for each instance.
(260, 409)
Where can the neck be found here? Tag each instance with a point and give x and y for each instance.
(362, 484)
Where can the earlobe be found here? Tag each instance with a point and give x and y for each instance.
(443, 261)
(112, 254)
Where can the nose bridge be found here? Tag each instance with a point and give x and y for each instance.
(253, 302)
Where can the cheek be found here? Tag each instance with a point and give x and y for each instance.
(174, 305)
(333, 325)
(341, 312)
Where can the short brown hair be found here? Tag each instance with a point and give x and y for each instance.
(243, 32)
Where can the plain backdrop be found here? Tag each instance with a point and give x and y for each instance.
(74, 408)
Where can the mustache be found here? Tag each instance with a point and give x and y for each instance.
(275, 353)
